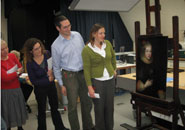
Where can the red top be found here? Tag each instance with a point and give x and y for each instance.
(9, 78)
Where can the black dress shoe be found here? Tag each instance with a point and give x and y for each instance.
(20, 128)
(66, 129)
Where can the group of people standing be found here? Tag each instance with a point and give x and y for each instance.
(80, 70)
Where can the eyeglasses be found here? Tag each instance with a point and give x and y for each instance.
(66, 27)
(36, 49)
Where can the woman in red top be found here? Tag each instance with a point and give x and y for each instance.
(13, 108)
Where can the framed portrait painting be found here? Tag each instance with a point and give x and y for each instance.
(151, 65)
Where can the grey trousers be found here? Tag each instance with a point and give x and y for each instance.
(76, 86)
(104, 106)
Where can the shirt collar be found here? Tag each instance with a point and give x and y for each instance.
(95, 47)
(62, 38)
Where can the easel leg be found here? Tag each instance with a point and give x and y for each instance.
(182, 116)
(174, 122)
(138, 116)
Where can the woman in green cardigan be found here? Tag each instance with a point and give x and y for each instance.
(99, 64)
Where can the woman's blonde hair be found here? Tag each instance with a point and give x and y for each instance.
(3, 42)
(17, 53)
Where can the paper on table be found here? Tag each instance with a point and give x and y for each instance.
(97, 95)
(49, 63)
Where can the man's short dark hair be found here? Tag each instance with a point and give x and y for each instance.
(59, 19)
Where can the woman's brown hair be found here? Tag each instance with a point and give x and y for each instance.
(94, 29)
(28, 47)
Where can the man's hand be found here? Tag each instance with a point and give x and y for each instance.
(64, 92)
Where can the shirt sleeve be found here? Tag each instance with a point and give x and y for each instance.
(113, 58)
(86, 66)
(7, 77)
(56, 65)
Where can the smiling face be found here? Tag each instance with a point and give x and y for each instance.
(100, 35)
(37, 50)
(148, 52)
(65, 28)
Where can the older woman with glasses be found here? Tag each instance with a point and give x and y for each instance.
(13, 108)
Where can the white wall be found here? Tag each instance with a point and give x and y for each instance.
(169, 8)
(3, 22)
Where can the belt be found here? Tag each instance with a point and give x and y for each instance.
(72, 71)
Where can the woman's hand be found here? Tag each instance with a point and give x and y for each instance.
(51, 78)
(148, 83)
(141, 86)
(50, 75)
(91, 92)
(115, 73)
(20, 70)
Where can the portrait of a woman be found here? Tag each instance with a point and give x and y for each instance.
(146, 74)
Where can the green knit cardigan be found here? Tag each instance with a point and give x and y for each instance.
(94, 63)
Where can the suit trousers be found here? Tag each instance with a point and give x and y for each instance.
(104, 106)
(76, 87)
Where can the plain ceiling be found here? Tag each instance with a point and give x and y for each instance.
(103, 5)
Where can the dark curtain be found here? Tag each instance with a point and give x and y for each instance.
(30, 18)
(82, 22)
(34, 18)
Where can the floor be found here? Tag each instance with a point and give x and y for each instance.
(123, 114)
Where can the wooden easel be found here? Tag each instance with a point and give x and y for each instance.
(144, 103)
(147, 103)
